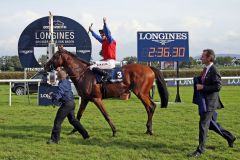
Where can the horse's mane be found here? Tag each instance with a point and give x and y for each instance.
(75, 56)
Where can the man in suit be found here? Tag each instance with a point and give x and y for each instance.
(209, 85)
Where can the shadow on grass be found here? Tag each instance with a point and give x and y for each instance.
(125, 143)
(138, 142)
(25, 132)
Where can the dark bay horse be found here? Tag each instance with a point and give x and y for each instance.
(137, 78)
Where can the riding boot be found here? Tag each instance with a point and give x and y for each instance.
(101, 73)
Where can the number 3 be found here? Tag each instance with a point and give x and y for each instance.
(119, 74)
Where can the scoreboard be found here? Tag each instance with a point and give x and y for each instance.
(162, 46)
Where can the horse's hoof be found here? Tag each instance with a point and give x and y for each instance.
(149, 132)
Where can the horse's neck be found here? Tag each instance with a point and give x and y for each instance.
(75, 67)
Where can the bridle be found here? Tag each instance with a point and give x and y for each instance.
(52, 67)
(83, 72)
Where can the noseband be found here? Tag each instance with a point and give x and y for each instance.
(51, 66)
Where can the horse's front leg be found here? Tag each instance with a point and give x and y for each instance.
(82, 108)
(98, 102)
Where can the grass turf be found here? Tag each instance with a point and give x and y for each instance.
(25, 128)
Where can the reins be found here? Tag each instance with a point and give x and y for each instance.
(81, 73)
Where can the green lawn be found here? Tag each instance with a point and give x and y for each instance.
(25, 128)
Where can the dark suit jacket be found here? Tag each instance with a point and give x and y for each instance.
(198, 97)
(212, 86)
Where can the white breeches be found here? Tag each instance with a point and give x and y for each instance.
(108, 64)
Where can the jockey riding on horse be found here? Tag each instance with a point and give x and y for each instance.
(108, 51)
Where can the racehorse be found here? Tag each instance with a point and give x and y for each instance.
(137, 78)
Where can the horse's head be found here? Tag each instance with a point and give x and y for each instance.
(56, 60)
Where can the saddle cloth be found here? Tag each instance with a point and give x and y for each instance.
(115, 74)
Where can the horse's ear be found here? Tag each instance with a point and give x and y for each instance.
(60, 47)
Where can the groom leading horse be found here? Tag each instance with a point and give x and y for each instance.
(137, 78)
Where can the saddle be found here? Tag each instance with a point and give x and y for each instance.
(115, 75)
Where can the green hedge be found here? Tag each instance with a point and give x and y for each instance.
(166, 73)
(15, 75)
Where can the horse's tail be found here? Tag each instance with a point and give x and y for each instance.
(162, 88)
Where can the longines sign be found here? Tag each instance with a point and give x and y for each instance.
(162, 46)
(67, 32)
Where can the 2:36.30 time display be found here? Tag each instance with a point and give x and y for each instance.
(166, 52)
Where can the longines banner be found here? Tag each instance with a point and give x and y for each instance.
(225, 82)
(162, 46)
(67, 32)
(44, 99)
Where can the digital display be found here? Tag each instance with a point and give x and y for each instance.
(163, 46)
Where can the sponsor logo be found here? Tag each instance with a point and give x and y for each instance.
(26, 51)
(163, 37)
(163, 42)
(57, 24)
(185, 82)
(45, 96)
(56, 35)
(233, 82)
(34, 69)
(83, 51)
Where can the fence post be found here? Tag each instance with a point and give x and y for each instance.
(10, 93)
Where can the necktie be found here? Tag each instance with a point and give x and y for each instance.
(203, 74)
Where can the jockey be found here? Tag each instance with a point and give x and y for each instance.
(108, 51)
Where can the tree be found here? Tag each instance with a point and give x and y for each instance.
(10, 63)
(43, 60)
(16, 63)
(192, 62)
(2, 63)
(130, 60)
(133, 60)
(224, 60)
